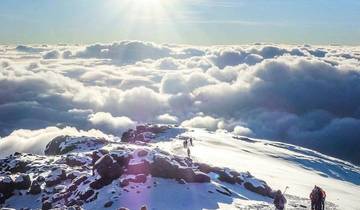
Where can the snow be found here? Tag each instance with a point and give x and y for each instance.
(279, 164)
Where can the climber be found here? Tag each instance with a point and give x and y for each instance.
(185, 144)
(279, 200)
(188, 152)
(191, 142)
(317, 197)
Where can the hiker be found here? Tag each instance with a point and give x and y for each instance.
(317, 197)
(185, 143)
(188, 152)
(191, 143)
(279, 200)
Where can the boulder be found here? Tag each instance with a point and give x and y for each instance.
(142, 167)
(259, 187)
(35, 188)
(65, 144)
(96, 155)
(201, 177)
(187, 174)
(107, 168)
(6, 184)
(22, 182)
(6, 187)
(162, 167)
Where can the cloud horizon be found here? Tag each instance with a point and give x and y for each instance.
(300, 94)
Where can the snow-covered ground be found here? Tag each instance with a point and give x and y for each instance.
(279, 164)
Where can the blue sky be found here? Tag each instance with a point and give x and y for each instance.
(181, 21)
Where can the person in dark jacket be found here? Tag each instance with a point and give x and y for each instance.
(191, 142)
(317, 197)
(279, 200)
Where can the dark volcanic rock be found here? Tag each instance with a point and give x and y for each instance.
(6, 187)
(65, 144)
(262, 189)
(142, 167)
(35, 188)
(162, 167)
(86, 195)
(201, 177)
(108, 204)
(107, 168)
(73, 160)
(99, 183)
(22, 182)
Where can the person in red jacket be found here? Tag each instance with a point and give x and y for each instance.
(317, 197)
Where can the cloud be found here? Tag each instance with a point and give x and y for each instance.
(125, 52)
(108, 123)
(305, 95)
(53, 54)
(207, 122)
(35, 141)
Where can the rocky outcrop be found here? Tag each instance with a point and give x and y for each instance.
(108, 168)
(76, 169)
(142, 133)
(65, 144)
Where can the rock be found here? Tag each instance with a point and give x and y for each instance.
(40, 179)
(141, 178)
(143, 207)
(142, 153)
(72, 160)
(107, 168)
(99, 183)
(35, 188)
(142, 167)
(108, 204)
(201, 177)
(123, 208)
(181, 181)
(86, 195)
(121, 157)
(128, 136)
(162, 167)
(6, 185)
(226, 177)
(259, 187)
(96, 155)
(46, 205)
(56, 176)
(22, 182)
(223, 190)
(187, 174)
(18, 166)
(65, 144)
(73, 174)
(124, 182)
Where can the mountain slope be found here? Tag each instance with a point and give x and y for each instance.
(150, 168)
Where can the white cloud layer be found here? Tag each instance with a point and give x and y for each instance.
(306, 95)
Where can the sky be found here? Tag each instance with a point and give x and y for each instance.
(203, 22)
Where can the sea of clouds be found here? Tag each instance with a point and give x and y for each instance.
(304, 95)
